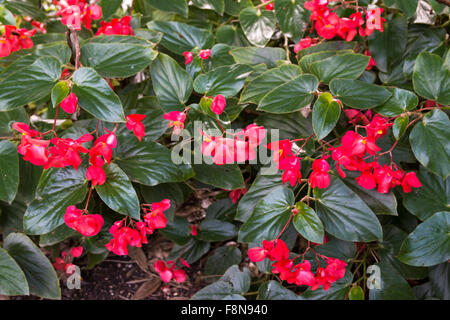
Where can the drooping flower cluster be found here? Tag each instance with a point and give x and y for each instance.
(69, 104)
(88, 225)
(168, 272)
(101, 151)
(218, 104)
(64, 263)
(300, 273)
(239, 148)
(15, 39)
(74, 13)
(116, 27)
(319, 177)
(134, 123)
(286, 161)
(328, 24)
(354, 147)
(136, 233)
(305, 43)
(202, 54)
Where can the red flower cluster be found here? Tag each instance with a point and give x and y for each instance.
(328, 24)
(116, 27)
(168, 272)
(203, 54)
(134, 123)
(286, 161)
(98, 154)
(64, 262)
(87, 224)
(241, 147)
(15, 39)
(176, 120)
(137, 235)
(354, 147)
(77, 12)
(66, 152)
(70, 103)
(300, 274)
(319, 177)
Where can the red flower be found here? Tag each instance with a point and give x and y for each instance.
(410, 181)
(204, 54)
(320, 177)
(327, 27)
(291, 167)
(268, 7)
(176, 120)
(156, 218)
(236, 194)
(305, 43)
(168, 272)
(282, 148)
(71, 17)
(374, 21)
(103, 148)
(218, 104)
(188, 56)
(88, 225)
(378, 127)
(134, 124)
(303, 274)
(76, 251)
(116, 27)
(372, 62)
(122, 237)
(69, 104)
(96, 175)
(194, 230)
(66, 152)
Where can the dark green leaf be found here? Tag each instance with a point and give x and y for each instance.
(109, 7)
(254, 56)
(258, 25)
(118, 192)
(12, 278)
(191, 252)
(292, 17)
(359, 94)
(228, 176)
(37, 80)
(430, 142)
(178, 231)
(96, 96)
(326, 114)
(175, 6)
(345, 215)
(429, 244)
(308, 224)
(440, 280)
(269, 217)
(273, 290)
(291, 96)
(400, 101)
(216, 5)
(9, 171)
(216, 230)
(223, 258)
(39, 272)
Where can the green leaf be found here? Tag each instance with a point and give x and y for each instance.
(273, 290)
(231, 35)
(222, 258)
(179, 37)
(118, 192)
(400, 126)
(290, 127)
(359, 94)
(356, 293)
(175, 6)
(58, 235)
(337, 248)
(431, 78)
(439, 278)
(216, 230)
(328, 46)
(306, 61)
(269, 217)
(37, 80)
(6, 17)
(116, 60)
(226, 80)
(254, 56)
(308, 224)
(172, 84)
(262, 186)
(148, 162)
(292, 17)
(392, 285)
(430, 142)
(267, 81)
(58, 188)
(291, 96)
(216, 5)
(344, 66)
(25, 8)
(60, 91)
(429, 244)
(9, 171)
(432, 197)
(109, 7)
(228, 176)
(385, 55)
(155, 124)
(258, 25)
(39, 272)
(400, 101)
(12, 278)
(7, 118)
(191, 252)
(233, 7)
(326, 114)
(178, 231)
(96, 96)
(345, 215)
(409, 7)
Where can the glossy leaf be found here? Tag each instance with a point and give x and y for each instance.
(291, 96)
(273, 290)
(292, 17)
(430, 142)
(254, 56)
(216, 230)
(400, 101)
(269, 217)
(345, 215)
(228, 177)
(9, 171)
(326, 114)
(308, 224)
(96, 97)
(12, 278)
(258, 25)
(175, 6)
(38, 270)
